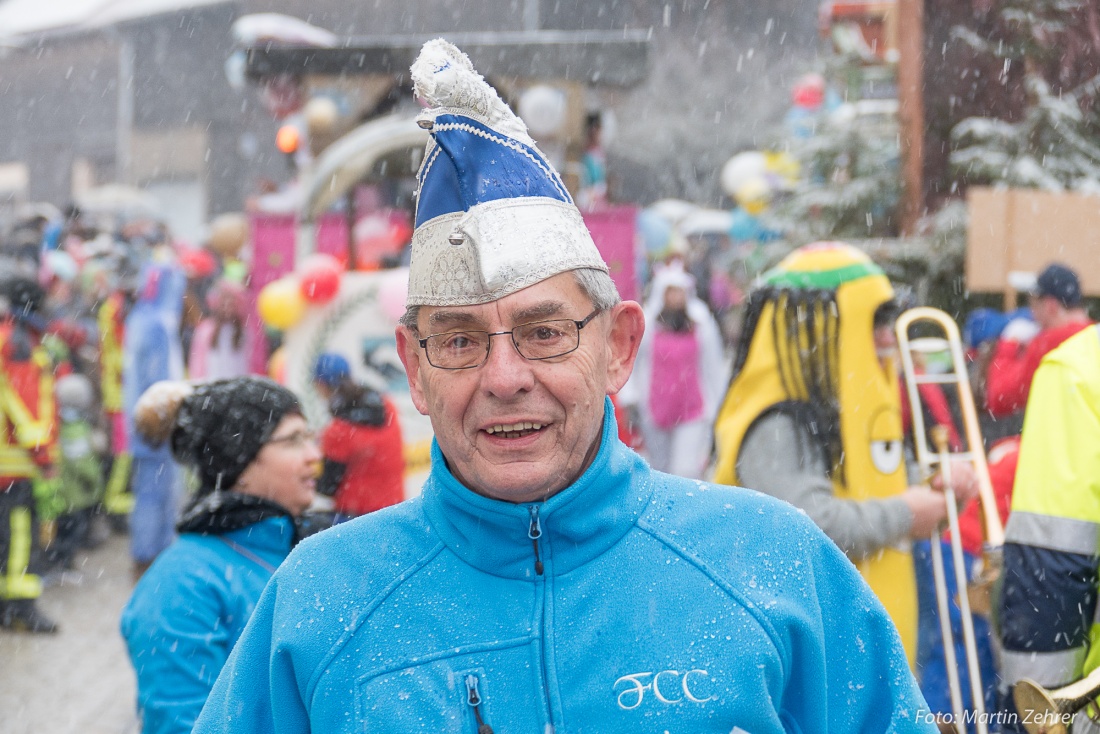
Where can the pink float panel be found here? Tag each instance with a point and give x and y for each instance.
(613, 231)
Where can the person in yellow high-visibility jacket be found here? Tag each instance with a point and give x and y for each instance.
(28, 452)
(118, 500)
(1048, 612)
(813, 416)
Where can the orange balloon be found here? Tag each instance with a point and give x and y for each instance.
(276, 366)
(287, 139)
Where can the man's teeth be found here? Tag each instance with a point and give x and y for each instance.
(514, 427)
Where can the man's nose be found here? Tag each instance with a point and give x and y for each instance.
(506, 372)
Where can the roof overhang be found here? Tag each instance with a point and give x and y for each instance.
(613, 58)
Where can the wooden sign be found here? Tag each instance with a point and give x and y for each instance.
(1024, 230)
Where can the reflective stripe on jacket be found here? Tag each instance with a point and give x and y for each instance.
(28, 421)
(1052, 549)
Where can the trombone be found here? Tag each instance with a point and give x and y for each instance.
(939, 457)
(1050, 712)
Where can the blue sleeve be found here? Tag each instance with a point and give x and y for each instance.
(178, 642)
(847, 644)
(257, 690)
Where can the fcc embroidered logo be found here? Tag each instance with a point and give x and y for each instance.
(667, 687)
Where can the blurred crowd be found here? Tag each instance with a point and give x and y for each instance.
(93, 312)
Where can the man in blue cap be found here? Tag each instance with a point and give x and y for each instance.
(546, 579)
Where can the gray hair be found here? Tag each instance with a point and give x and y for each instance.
(596, 284)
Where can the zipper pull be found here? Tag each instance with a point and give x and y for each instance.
(473, 699)
(534, 533)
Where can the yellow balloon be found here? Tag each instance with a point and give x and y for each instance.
(281, 304)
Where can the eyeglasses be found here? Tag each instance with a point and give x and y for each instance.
(298, 439)
(463, 350)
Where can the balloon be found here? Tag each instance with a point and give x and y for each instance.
(280, 304)
(287, 139)
(228, 233)
(754, 195)
(543, 108)
(321, 115)
(276, 366)
(320, 278)
(741, 169)
(392, 294)
(809, 91)
(744, 227)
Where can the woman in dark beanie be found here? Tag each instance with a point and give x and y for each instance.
(256, 462)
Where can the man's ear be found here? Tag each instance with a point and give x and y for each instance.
(408, 349)
(623, 340)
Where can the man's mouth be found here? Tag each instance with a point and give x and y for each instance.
(513, 430)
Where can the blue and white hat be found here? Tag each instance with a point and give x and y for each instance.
(492, 215)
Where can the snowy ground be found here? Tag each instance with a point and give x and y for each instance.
(79, 680)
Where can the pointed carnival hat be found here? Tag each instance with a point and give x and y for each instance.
(492, 214)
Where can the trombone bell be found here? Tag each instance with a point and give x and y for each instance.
(1051, 712)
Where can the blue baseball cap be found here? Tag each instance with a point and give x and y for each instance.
(331, 369)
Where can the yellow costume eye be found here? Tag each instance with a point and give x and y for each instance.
(886, 455)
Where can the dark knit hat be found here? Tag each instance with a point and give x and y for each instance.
(222, 425)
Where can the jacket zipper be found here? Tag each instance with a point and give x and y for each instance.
(474, 701)
(534, 532)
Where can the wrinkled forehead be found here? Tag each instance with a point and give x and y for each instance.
(558, 297)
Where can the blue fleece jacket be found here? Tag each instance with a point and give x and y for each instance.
(632, 601)
(187, 612)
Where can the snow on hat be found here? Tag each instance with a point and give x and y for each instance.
(492, 215)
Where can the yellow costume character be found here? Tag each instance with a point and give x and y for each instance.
(810, 395)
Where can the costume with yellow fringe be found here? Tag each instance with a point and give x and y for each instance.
(807, 350)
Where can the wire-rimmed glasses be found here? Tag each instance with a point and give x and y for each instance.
(463, 350)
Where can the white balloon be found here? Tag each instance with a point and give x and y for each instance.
(321, 114)
(741, 169)
(542, 107)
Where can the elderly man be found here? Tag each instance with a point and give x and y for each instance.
(547, 580)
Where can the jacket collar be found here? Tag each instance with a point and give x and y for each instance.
(274, 534)
(577, 524)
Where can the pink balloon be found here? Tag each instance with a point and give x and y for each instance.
(392, 294)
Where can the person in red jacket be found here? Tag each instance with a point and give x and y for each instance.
(364, 463)
(28, 450)
(1056, 306)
